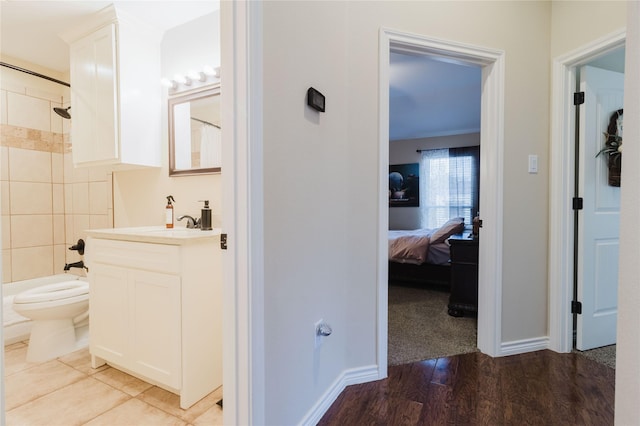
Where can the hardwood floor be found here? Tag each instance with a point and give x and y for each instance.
(538, 388)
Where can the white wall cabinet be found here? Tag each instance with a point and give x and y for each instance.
(115, 92)
(156, 310)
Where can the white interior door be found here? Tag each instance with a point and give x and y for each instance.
(598, 223)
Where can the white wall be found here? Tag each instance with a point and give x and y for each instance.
(139, 196)
(321, 178)
(405, 151)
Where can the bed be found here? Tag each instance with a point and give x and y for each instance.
(421, 256)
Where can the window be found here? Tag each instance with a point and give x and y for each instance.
(450, 185)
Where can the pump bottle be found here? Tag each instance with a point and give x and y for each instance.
(169, 212)
(205, 216)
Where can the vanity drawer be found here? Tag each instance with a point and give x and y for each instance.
(145, 256)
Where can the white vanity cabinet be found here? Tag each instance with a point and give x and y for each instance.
(156, 308)
(115, 94)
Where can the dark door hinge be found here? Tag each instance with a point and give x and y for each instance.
(577, 203)
(578, 98)
(576, 307)
(223, 241)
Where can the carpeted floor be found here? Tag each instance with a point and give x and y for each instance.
(420, 327)
(605, 355)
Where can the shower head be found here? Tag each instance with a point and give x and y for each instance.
(63, 112)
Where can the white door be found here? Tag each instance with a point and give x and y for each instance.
(598, 222)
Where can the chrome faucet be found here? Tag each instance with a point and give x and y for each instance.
(191, 222)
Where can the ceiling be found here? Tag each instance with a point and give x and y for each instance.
(432, 97)
(29, 29)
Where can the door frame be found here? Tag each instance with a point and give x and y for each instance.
(492, 62)
(562, 166)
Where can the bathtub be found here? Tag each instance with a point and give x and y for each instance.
(16, 327)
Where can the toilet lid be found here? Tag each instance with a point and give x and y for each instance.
(51, 292)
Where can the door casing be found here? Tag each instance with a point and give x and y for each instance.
(491, 179)
(562, 163)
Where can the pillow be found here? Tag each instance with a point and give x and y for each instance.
(453, 226)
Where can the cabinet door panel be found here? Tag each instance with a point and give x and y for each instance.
(109, 313)
(155, 327)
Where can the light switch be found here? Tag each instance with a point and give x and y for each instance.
(533, 163)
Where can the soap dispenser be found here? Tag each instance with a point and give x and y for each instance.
(205, 216)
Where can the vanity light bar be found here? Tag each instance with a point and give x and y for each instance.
(191, 76)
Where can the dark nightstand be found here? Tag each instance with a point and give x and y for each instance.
(464, 275)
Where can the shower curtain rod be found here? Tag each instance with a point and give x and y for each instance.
(37, 74)
(205, 122)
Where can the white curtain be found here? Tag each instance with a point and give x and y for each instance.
(210, 147)
(449, 185)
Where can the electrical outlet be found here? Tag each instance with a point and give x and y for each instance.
(319, 337)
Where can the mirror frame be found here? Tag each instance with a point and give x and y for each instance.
(179, 99)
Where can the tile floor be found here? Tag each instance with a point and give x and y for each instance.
(67, 391)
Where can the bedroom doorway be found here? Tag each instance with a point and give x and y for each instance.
(434, 173)
(491, 64)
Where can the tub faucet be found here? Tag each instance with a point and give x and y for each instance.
(79, 264)
(191, 222)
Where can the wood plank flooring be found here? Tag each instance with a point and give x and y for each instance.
(538, 388)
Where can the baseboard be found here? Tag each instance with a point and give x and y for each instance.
(352, 376)
(523, 346)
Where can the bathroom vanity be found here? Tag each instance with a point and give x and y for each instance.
(156, 306)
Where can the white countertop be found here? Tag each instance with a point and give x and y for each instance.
(155, 234)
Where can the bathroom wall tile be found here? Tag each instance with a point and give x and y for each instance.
(57, 168)
(58, 198)
(58, 229)
(4, 163)
(68, 228)
(29, 166)
(54, 97)
(81, 198)
(3, 107)
(32, 262)
(98, 197)
(59, 258)
(5, 200)
(31, 230)
(81, 222)
(6, 231)
(6, 266)
(27, 111)
(98, 174)
(80, 174)
(68, 198)
(32, 383)
(77, 404)
(31, 198)
(99, 221)
(13, 85)
(68, 167)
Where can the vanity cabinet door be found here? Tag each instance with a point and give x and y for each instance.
(109, 313)
(155, 326)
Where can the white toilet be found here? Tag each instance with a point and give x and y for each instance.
(60, 314)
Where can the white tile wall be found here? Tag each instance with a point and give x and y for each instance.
(30, 198)
(29, 112)
(28, 165)
(6, 231)
(98, 197)
(31, 230)
(58, 229)
(58, 198)
(81, 198)
(5, 204)
(6, 266)
(3, 107)
(32, 262)
(57, 168)
(4, 163)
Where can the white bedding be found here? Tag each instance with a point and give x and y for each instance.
(420, 246)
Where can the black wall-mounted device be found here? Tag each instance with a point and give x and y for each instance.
(315, 99)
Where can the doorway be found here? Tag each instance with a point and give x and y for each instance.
(434, 149)
(562, 157)
(491, 135)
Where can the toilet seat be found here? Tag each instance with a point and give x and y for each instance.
(53, 292)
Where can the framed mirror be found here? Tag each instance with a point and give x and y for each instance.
(195, 133)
